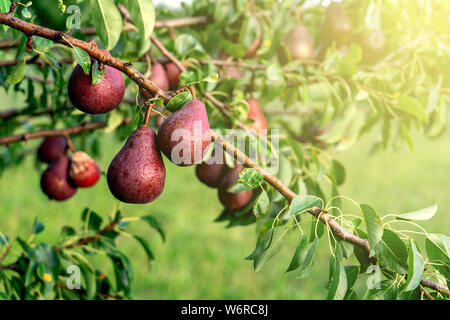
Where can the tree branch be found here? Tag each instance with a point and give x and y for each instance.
(31, 29)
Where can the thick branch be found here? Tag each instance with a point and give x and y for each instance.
(59, 37)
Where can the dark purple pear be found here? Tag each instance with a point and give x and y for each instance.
(233, 200)
(55, 180)
(184, 137)
(159, 76)
(211, 172)
(99, 98)
(137, 173)
(51, 148)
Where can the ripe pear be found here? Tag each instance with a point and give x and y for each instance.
(233, 200)
(99, 98)
(184, 136)
(211, 173)
(137, 173)
(337, 26)
(173, 75)
(84, 171)
(55, 181)
(51, 148)
(374, 45)
(159, 76)
(256, 114)
(299, 45)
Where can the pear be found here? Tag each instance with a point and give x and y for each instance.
(159, 76)
(211, 172)
(233, 200)
(51, 148)
(299, 45)
(137, 173)
(374, 45)
(337, 26)
(173, 75)
(99, 98)
(55, 180)
(259, 121)
(84, 171)
(184, 136)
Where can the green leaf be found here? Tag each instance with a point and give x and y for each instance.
(251, 178)
(413, 106)
(83, 59)
(115, 119)
(415, 268)
(144, 243)
(302, 203)
(179, 100)
(392, 252)
(267, 246)
(38, 227)
(97, 74)
(299, 255)
(92, 219)
(142, 13)
(187, 44)
(90, 281)
(4, 7)
(309, 258)
(155, 224)
(261, 205)
(438, 252)
(352, 273)
(422, 214)
(373, 223)
(107, 21)
(338, 172)
(338, 284)
(17, 73)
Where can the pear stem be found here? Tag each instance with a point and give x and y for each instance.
(148, 112)
(70, 143)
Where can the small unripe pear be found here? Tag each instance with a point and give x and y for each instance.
(184, 136)
(374, 45)
(137, 173)
(99, 98)
(51, 148)
(337, 26)
(159, 76)
(84, 171)
(55, 180)
(233, 200)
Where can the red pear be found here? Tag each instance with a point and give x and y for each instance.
(99, 98)
(173, 75)
(184, 136)
(159, 76)
(84, 171)
(233, 200)
(256, 114)
(51, 148)
(137, 173)
(55, 180)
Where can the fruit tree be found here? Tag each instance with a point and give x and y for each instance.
(255, 94)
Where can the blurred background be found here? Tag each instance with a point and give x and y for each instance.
(202, 259)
